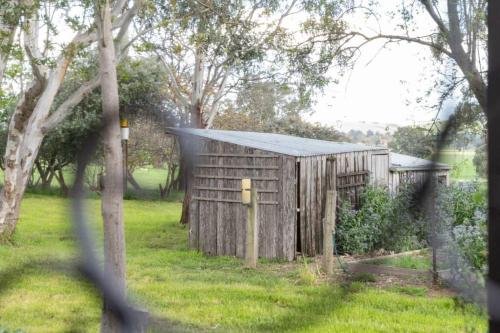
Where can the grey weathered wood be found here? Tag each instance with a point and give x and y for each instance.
(328, 229)
(231, 189)
(252, 232)
(235, 177)
(222, 225)
(221, 218)
(240, 155)
(256, 167)
(233, 201)
(194, 224)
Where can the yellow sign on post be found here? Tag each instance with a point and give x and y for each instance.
(246, 185)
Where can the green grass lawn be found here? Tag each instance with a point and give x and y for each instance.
(407, 261)
(194, 292)
(461, 161)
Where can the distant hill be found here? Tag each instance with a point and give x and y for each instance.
(365, 126)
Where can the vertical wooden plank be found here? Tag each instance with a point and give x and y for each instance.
(230, 212)
(312, 194)
(289, 208)
(319, 206)
(280, 215)
(219, 183)
(310, 221)
(328, 229)
(251, 239)
(212, 217)
(303, 206)
(194, 219)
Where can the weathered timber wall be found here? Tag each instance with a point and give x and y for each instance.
(418, 177)
(348, 174)
(217, 216)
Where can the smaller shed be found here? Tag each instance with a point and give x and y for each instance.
(409, 169)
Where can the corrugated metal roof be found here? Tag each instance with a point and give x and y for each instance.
(400, 161)
(278, 143)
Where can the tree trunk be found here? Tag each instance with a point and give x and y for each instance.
(59, 175)
(196, 114)
(10, 199)
(17, 174)
(466, 65)
(112, 195)
(133, 182)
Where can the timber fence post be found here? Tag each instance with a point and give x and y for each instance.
(252, 234)
(328, 229)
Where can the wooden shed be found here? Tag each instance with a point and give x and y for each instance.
(414, 170)
(291, 175)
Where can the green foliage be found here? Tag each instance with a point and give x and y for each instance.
(141, 85)
(480, 161)
(274, 108)
(412, 291)
(460, 203)
(462, 164)
(5, 330)
(306, 276)
(382, 222)
(407, 261)
(413, 140)
(463, 216)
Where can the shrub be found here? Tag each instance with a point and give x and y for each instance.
(382, 222)
(395, 223)
(462, 224)
(463, 214)
(480, 161)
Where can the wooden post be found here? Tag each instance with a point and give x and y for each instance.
(432, 209)
(252, 235)
(328, 228)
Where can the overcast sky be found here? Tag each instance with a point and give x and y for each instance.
(385, 84)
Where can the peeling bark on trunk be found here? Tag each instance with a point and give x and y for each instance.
(17, 172)
(112, 194)
(31, 120)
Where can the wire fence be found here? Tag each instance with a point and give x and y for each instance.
(134, 319)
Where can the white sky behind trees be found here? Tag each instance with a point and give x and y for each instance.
(385, 84)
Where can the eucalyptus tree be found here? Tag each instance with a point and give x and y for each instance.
(112, 193)
(209, 47)
(35, 115)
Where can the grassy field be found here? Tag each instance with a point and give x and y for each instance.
(407, 261)
(461, 161)
(194, 292)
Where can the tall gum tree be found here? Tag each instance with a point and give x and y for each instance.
(209, 47)
(33, 116)
(112, 193)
